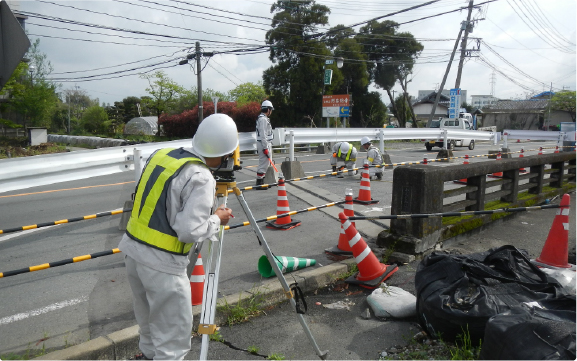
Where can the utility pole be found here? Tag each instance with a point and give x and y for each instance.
(464, 46)
(199, 83)
(549, 107)
(446, 73)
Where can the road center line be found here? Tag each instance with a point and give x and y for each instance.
(40, 311)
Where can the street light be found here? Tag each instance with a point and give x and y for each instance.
(327, 77)
(31, 69)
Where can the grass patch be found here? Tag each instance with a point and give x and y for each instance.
(352, 270)
(276, 356)
(18, 147)
(253, 349)
(243, 310)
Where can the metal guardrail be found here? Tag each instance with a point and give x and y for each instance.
(21, 173)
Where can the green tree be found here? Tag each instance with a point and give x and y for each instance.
(164, 93)
(246, 93)
(392, 54)
(95, 120)
(564, 100)
(295, 82)
(30, 94)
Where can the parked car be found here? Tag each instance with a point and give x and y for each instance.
(451, 123)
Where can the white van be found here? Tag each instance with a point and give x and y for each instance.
(451, 123)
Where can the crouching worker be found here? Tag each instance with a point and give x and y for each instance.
(374, 157)
(346, 153)
(173, 210)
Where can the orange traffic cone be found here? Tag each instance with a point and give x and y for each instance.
(463, 180)
(365, 190)
(556, 149)
(555, 252)
(425, 160)
(522, 170)
(197, 282)
(497, 174)
(282, 207)
(343, 248)
(518, 140)
(371, 272)
(540, 151)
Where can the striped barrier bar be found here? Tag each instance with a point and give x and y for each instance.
(62, 221)
(59, 263)
(455, 214)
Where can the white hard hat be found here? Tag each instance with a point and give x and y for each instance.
(344, 147)
(216, 136)
(267, 104)
(365, 140)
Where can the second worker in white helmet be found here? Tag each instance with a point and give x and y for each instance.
(264, 137)
(346, 153)
(374, 157)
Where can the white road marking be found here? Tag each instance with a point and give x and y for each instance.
(40, 311)
(21, 233)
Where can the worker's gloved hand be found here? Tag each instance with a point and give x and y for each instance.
(224, 214)
(265, 151)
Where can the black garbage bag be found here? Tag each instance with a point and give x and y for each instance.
(529, 332)
(459, 293)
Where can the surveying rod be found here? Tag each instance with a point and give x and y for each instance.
(322, 354)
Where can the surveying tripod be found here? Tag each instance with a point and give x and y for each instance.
(207, 324)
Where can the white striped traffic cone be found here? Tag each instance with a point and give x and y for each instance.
(282, 223)
(463, 180)
(197, 282)
(343, 249)
(365, 189)
(497, 174)
(371, 272)
(285, 264)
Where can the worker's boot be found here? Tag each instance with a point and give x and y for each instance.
(260, 182)
(334, 168)
(379, 176)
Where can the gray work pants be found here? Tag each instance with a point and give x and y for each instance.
(263, 162)
(163, 310)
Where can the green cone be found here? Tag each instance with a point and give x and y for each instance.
(286, 264)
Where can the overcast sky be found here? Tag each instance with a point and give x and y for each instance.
(528, 44)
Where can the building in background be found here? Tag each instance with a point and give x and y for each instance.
(425, 93)
(423, 106)
(482, 101)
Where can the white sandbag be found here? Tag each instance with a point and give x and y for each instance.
(391, 301)
(565, 277)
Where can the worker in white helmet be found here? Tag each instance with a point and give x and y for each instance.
(346, 153)
(173, 209)
(374, 157)
(264, 137)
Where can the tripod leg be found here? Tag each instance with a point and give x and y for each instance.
(207, 326)
(322, 354)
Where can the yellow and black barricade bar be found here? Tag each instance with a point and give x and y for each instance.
(62, 221)
(59, 263)
(270, 218)
(455, 214)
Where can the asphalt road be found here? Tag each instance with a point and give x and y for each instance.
(74, 303)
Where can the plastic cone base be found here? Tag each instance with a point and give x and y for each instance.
(338, 252)
(372, 201)
(283, 227)
(374, 283)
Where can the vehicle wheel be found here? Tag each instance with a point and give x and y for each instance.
(472, 145)
(428, 146)
(451, 145)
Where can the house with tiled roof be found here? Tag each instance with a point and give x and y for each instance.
(523, 114)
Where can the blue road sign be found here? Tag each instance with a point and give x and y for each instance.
(343, 112)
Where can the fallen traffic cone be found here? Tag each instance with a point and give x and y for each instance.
(285, 264)
(365, 189)
(343, 249)
(282, 223)
(371, 272)
(497, 174)
(463, 180)
(556, 249)
(197, 282)
(522, 170)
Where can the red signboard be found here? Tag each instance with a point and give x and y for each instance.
(336, 100)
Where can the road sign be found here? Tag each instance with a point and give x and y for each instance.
(454, 102)
(344, 112)
(336, 100)
(330, 112)
(13, 43)
(328, 76)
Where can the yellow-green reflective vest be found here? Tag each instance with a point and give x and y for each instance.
(148, 222)
(348, 153)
